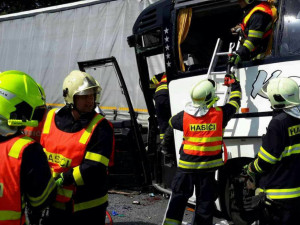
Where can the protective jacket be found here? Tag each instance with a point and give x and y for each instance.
(278, 159)
(14, 179)
(160, 84)
(74, 154)
(257, 27)
(201, 148)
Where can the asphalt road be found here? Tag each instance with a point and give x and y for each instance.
(143, 208)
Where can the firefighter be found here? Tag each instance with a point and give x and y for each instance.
(162, 102)
(35, 132)
(78, 143)
(256, 31)
(25, 177)
(200, 152)
(278, 160)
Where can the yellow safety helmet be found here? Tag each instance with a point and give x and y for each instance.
(20, 97)
(204, 93)
(80, 83)
(282, 92)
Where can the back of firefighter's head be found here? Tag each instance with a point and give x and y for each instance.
(282, 93)
(21, 100)
(79, 83)
(204, 93)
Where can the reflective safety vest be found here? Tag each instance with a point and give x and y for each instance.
(67, 150)
(263, 7)
(12, 204)
(202, 140)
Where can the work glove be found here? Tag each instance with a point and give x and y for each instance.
(229, 79)
(234, 59)
(236, 30)
(59, 180)
(254, 202)
(251, 178)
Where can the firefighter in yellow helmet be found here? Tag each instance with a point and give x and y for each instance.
(200, 152)
(255, 30)
(25, 176)
(78, 143)
(277, 164)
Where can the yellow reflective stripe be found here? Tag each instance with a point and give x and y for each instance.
(202, 148)
(203, 139)
(9, 215)
(64, 192)
(18, 145)
(200, 165)
(37, 201)
(255, 33)
(170, 123)
(235, 104)
(164, 86)
(90, 204)
(234, 94)
(77, 176)
(171, 222)
(294, 149)
(161, 136)
(248, 44)
(47, 124)
(154, 80)
(85, 136)
(251, 12)
(257, 167)
(264, 155)
(282, 193)
(97, 158)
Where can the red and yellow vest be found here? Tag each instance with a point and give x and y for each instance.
(12, 200)
(202, 140)
(65, 150)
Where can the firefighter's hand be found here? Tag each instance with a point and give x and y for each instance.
(251, 181)
(254, 202)
(234, 59)
(236, 30)
(59, 180)
(229, 79)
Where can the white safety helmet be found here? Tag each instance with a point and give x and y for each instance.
(80, 83)
(282, 92)
(204, 93)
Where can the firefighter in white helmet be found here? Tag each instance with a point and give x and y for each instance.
(200, 152)
(256, 31)
(275, 170)
(25, 177)
(78, 142)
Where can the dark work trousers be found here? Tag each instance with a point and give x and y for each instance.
(93, 216)
(281, 212)
(163, 112)
(182, 189)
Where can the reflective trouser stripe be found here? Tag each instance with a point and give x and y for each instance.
(200, 165)
(90, 204)
(282, 193)
(171, 222)
(9, 215)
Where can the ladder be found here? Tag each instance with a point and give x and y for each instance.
(211, 73)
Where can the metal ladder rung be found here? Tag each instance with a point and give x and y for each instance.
(223, 53)
(216, 73)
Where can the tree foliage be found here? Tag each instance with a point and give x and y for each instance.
(14, 6)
